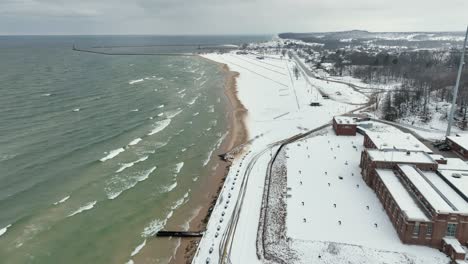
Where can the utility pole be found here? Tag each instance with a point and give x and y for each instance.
(455, 89)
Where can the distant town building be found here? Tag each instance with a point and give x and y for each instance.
(426, 200)
(459, 145)
(344, 125)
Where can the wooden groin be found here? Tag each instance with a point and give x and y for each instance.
(179, 234)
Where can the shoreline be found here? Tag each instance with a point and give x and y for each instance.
(237, 135)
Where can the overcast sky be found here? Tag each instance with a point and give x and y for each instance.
(228, 16)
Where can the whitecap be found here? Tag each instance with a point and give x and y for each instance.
(62, 200)
(193, 100)
(119, 184)
(134, 142)
(112, 154)
(153, 227)
(4, 230)
(86, 207)
(169, 188)
(201, 84)
(161, 114)
(197, 113)
(135, 81)
(138, 248)
(161, 106)
(46, 94)
(211, 109)
(130, 261)
(172, 114)
(181, 91)
(128, 165)
(183, 150)
(76, 110)
(178, 167)
(159, 126)
(135, 110)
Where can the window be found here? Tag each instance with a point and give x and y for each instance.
(429, 229)
(451, 229)
(416, 229)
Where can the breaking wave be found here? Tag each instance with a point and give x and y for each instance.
(138, 248)
(62, 200)
(86, 207)
(4, 230)
(112, 154)
(159, 126)
(128, 165)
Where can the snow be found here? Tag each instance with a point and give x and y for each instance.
(460, 181)
(447, 192)
(455, 244)
(454, 164)
(429, 193)
(278, 108)
(345, 120)
(462, 141)
(399, 140)
(401, 195)
(400, 156)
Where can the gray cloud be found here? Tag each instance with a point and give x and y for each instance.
(227, 16)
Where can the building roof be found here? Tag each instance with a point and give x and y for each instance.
(462, 141)
(458, 202)
(456, 173)
(457, 247)
(345, 120)
(403, 141)
(439, 195)
(401, 195)
(399, 156)
(458, 179)
(454, 164)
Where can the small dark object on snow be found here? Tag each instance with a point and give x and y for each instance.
(305, 220)
(339, 222)
(302, 203)
(334, 205)
(367, 207)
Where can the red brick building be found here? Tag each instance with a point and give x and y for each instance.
(344, 125)
(426, 205)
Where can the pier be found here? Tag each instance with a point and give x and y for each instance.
(179, 234)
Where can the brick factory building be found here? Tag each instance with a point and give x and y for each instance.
(344, 125)
(426, 201)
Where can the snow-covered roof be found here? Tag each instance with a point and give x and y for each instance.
(403, 141)
(399, 156)
(458, 179)
(447, 192)
(345, 120)
(455, 244)
(439, 195)
(454, 164)
(462, 141)
(401, 195)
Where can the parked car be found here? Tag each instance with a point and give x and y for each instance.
(444, 147)
(325, 96)
(438, 143)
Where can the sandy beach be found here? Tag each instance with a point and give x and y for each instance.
(238, 134)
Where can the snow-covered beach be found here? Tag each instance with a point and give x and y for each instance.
(278, 108)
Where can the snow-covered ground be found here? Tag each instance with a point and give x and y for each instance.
(326, 208)
(278, 108)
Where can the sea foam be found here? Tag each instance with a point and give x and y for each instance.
(86, 207)
(112, 154)
(138, 248)
(62, 200)
(159, 126)
(128, 165)
(135, 81)
(134, 142)
(4, 230)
